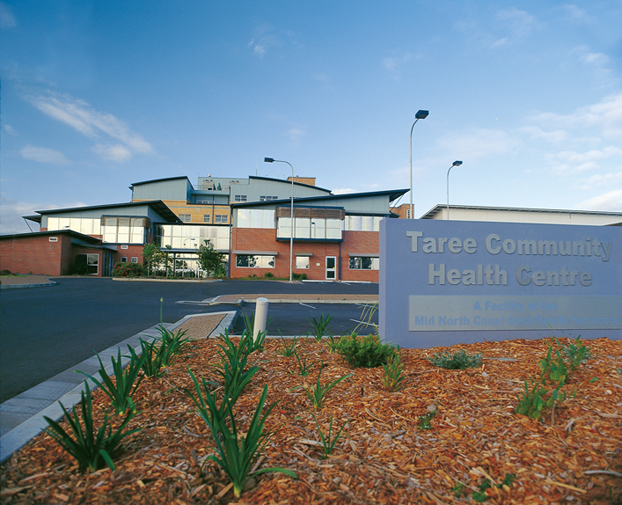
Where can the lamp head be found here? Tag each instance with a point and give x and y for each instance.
(268, 160)
(456, 164)
(422, 114)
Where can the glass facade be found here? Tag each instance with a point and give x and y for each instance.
(255, 218)
(179, 236)
(309, 228)
(363, 223)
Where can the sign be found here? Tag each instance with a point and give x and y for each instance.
(449, 282)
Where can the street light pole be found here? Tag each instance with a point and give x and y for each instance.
(454, 164)
(291, 234)
(421, 114)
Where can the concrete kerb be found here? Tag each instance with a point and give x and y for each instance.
(21, 417)
(20, 286)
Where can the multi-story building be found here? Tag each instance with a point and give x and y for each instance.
(335, 237)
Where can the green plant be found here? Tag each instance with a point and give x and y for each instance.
(248, 331)
(268, 275)
(125, 385)
(172, 343)
(128, 270)
(393, 372)
(153, 357)
(303, 366)
(576, 352)
(364, 352)
(288, 347)
(424, 420)
(299, 277)
(458, 360)
(367, 316)
(457, 489)
(90, 447)
(317, 394)
(554, 368)
(619, 370)
(532, 402)
(328, 441)
(480, 496)
(232, 368)
(210, 260)
(320, 326)
(332, 343)
(235, 453)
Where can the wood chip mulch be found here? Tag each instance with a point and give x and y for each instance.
(572, 455)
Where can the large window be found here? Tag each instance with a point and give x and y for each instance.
(302, 262)
(255, 218)
(364, 263)
(255, 261)
(177, 236)
(363, 223)
(310, 228)
(88, 226)
(221, 219)
(124, 230)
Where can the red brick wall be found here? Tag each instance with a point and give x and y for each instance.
(129, 253)
(252, 239)
(35, 255)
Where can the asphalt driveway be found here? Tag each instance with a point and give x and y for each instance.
(47, 330)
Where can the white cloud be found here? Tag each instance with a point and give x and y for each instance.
(575, 14)
(611, 201)
(393, 64)
(9, 129)
(609, 179)
(589, 156)
(519, 23)
(118, 153)
(94, 124)
(343, 191)
(295, 134)
(11, 212)
(537, 133)
(265, 39)
(43, 155)
(7, 20)
(476, 144)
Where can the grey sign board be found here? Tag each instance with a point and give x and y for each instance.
(449, 282)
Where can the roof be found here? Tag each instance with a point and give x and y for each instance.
(158, 205)
(161, 180)
(71, 233)
(438, 208)
(289, 182)
(392, 194)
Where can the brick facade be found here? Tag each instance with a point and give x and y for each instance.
(256, 240)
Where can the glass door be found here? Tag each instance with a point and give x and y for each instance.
(331, 267)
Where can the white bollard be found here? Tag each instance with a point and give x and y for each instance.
(261, 316)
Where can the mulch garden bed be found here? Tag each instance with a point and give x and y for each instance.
(571, 455)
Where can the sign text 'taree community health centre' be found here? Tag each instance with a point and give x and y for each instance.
(440, 281)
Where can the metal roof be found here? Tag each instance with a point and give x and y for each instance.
(438, 208)
(393, 195)
(158, 205)
(161, 180)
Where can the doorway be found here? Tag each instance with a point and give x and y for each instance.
(331, 268)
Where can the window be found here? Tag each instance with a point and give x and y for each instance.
(255, 218)
(268, 198)
(123, 259)
(407, 213)
(310, 228)
(124, 230)
(206, 218)
(88, 226)
(363, 223)
(255, 261)
(177, 235)
(134, 259)
(302, 261)
(240, 198)
(364, 263)
(53, 239)
(185, 217)
(221, 219)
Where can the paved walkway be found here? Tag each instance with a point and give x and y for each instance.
(26, 281)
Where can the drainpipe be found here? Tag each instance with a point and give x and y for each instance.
(339, 278)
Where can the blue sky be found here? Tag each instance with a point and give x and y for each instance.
(97, 95)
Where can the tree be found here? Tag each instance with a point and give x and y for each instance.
(211, 261)
(151, 257)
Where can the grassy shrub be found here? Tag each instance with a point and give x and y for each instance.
(459, 360)
(364, 352)
(128, 270)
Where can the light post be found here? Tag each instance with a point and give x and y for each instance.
(291, 234)
(421, 114)
(454, 164)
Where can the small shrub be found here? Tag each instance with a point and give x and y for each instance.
(317, 394)
(532, 402)
(328, 441)
(153, 357)
(128, 270)
(299, 277)
(269, 275)
(554, 368)
(288, 347)
(320, 326)
(125, 385)
(424, 420)
(364, 352)
(172, 343)
(92, 448)
(459, 360)
(303, 366)
(576, 352)
(393, 373)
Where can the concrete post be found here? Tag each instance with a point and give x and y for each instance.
(261, 316)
